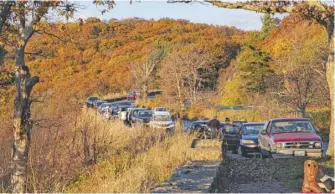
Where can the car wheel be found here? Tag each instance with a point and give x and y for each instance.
(235, 151)
(241, 152)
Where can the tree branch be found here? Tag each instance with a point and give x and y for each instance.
(258, 6)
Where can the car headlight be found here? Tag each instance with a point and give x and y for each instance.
(277, 145)
(247, 141)
(318, 144)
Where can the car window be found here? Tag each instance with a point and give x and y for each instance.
(144, 114)
(230, 129)
(291, 127)
(251, 129)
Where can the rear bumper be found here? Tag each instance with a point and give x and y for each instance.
(291, 152)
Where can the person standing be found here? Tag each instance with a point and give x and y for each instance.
(214, 125)
(123, 116)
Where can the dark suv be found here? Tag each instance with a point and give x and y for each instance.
(248, 134)
(91, 100)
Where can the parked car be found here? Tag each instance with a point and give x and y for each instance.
(158, 109)
(248, 134)
(289, 137)
(133, 113)
(97, 103)
(196, 125)
(162, 120)
(133, 95)
(231, 139)
(143, 116)
(90, 101)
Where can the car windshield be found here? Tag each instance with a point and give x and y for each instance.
(291, 126)
(230, 129)
(162, 118)
(143, 114)
(92, 98)
(251, 129)
(161, 109)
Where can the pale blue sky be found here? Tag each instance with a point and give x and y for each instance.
(194, 12)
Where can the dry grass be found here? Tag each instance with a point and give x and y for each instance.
(62, 149)
(142, 173)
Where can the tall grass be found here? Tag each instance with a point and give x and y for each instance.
(62, 150)
(142, 173)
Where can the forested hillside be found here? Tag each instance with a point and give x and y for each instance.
(75, 60)
(203, 64)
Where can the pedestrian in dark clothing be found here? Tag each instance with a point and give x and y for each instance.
(214, 125)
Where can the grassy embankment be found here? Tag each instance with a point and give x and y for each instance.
(141, 171)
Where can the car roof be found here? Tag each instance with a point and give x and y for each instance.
(290, 119)
(253, 123)
(201, 121)
(161, 113)
(160, 107)
(145, 111)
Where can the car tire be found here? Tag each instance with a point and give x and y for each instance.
(241, 152)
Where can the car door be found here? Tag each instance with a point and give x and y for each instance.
(266, 137)
(230, 136)
(261, 135)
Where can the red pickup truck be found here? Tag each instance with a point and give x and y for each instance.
(289, 137)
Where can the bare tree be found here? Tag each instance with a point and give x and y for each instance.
(143, 71)
(300, 87)
(183, 75)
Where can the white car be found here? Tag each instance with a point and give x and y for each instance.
(162, 120)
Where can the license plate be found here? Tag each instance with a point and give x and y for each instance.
(299, 153)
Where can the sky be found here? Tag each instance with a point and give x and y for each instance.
(194, 12)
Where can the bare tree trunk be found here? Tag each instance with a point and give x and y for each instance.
(144, 94)
(302, 112)
(181, 103)
(22, 123)
(330, 80)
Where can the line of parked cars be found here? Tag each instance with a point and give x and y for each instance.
(281, 137)
(160, 117)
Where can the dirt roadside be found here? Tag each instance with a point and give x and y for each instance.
(192, 178)
(197, 176)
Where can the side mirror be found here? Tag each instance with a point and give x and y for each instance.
(263, 132)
